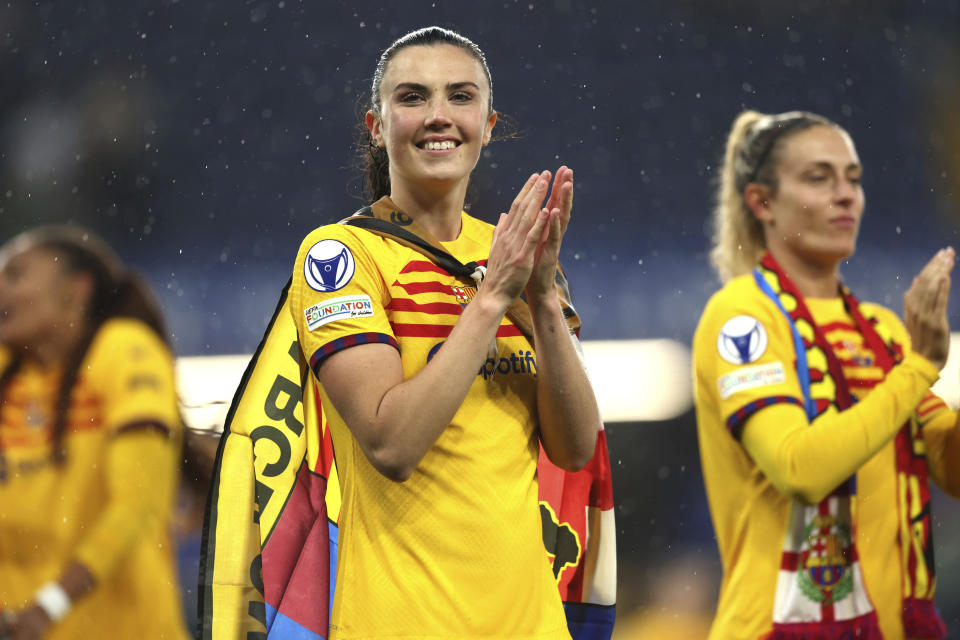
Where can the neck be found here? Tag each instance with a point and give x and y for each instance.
(436, 210)
(813, 279)
(58, 345)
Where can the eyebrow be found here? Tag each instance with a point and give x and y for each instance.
(451, 86)
(823, 164)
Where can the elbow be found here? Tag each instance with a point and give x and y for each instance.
(803, 491)
(576, 462)
(572, 460)
(391, 464)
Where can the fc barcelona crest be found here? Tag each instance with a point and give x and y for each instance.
(825, 573)
(464, 294)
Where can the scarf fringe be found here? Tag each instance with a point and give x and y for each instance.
(864, 627)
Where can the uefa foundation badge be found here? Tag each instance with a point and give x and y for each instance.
(329, 266)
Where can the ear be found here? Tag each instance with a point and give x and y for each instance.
(80, 289)
(757, 197)
(491, 121)
(375, 128)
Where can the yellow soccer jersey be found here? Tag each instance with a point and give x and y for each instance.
(456, 550)
(110, 504)
(734, 381)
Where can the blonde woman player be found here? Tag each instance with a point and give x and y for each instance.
(818, 431)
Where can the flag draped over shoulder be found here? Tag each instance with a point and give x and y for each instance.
(269, 563)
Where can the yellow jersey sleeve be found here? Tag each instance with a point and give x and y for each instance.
(133, 370)
(338, 296)
(744, 356)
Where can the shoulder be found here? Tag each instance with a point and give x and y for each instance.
(129, 340)
(477, 229)
(332, 234)
(739, 296)
(740, 313)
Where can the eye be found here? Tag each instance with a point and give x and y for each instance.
(855, 179)
(461, 96)
(816, 177)
(410, 97)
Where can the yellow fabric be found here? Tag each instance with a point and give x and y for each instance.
(110, 505)
(455, 551)
(253, 478)
(748, 492)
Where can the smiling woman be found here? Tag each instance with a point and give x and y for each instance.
(818, 430)
(401, 312)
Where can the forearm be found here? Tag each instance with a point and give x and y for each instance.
(566, 405)
(808, 461)
(414, 413)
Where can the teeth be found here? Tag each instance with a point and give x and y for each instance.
(431, 145)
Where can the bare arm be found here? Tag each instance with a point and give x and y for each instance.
(396, 421)
(567, 408)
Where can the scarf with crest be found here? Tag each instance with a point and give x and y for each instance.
(269, 563)
(820, 589)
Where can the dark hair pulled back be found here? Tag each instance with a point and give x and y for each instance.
(115, 292)
(373, 160)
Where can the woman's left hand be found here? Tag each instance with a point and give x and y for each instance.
(559, 204)
(29, 624)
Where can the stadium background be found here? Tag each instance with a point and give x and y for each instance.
(203, 140)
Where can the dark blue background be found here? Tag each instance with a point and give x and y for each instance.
(205, 139)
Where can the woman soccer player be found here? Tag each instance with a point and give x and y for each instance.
(818, 431)
(90, 436)
(434, 392)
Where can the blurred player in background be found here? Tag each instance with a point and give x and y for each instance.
(818, 431)
(90, 436)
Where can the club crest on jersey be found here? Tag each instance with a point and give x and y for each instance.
(329, 266)
(742, 340)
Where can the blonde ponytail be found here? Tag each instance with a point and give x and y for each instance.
(737, 235)
(752, 155)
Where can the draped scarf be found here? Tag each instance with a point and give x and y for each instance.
(820, 589)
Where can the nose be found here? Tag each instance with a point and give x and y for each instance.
(438, 116)
(845, 192)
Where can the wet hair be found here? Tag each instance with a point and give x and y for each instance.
(373, 163)
(116, 292)
(754, 147)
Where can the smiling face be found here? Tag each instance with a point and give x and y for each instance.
(37, 296)
(434, 117)
(814, 214)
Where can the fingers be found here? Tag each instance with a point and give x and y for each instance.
(558, 181)
(933, 282)
(527, 201)
(533, 239)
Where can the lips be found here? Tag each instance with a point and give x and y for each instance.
(843, 221)
(438, 144)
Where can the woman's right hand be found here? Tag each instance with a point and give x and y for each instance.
(925, 308)
(515, 241)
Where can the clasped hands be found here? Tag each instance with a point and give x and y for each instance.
(526, 241)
